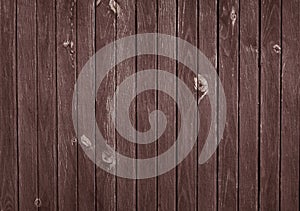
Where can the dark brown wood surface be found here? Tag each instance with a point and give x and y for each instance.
(248, 105)
(270, 104)
(254, 46)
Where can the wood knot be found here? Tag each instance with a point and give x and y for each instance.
(233, 16)
(200, 83)
(38, 202)
(114, 6)
(277, 49)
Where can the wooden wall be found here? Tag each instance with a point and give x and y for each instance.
(254, 45)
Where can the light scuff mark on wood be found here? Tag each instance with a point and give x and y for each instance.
(277, 49)
(38, 202)
(233, 16)
(98, 2)
(114, 6)
(109, 158)
(69, 44)
(85, 141)
(200, 83)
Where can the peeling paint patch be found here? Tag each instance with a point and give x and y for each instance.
(200, 83)
(277, 49)
(85, 141)
(114, 6)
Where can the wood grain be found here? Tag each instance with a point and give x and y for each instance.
(253, 45)
(46, 105)
(270, 105)
(146, 102)
(166, 183)
(187, 170)
(248, 105)
(66, 77)
(105, 33)
(290, 114)
(85, 50)
(27, 104)
(228, 73)
(8, 108)
(207, 43)
(125, 26)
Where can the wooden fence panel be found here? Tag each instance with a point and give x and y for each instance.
(290, 104)
(66, 77)
(105, 33)
(187, 17)
(27, 104)
(228, 73)
(8, 108)
(254, 46)
(207, 43)
(248, 105)
(46, 105)
(270, 105)
(85, 49)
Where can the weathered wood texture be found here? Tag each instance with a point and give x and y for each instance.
(248, 105)
(228, 73)
(254, 45)
(8, 108)
(270, 104)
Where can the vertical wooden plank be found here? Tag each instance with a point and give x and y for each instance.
(290, 116)
(66, 77)
(207, 42)
(85, 50)
(228, 73)
(146, 102)
(166, 183)
(187, 170)
(46, 107)
(105, 34)
(27, 104)
(8, 108)
(248, 105)
(126, 25)
(270, 105)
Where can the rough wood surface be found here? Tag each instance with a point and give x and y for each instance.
(105, 34)
(270, 105)
(290, 104)
(66, 78)
(166, 184)
(146, 102)
(46, 103)
(248, 105)
(125, 26)
(187, 170)
(254, 45)
(85, 49)
(27, 104)
(207, 43)
(228, 73)
(8, 108)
